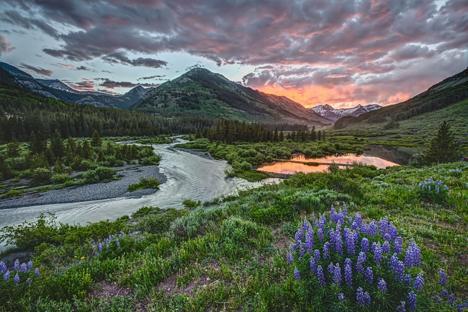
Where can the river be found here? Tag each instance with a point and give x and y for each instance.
(189, 176)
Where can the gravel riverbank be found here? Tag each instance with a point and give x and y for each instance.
(118, 188)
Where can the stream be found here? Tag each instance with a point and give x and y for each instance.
(189, 176)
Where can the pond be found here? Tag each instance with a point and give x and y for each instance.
(300, 163)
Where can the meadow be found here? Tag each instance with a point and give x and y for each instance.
(246, 253)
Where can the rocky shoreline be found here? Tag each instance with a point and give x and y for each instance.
(104, 190)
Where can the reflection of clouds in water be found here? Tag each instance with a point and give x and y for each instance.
(322, 163)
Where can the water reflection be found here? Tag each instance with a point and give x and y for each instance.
(299, 163)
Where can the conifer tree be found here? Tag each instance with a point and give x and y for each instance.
(96, 139)
(56, 145)
(443, 147)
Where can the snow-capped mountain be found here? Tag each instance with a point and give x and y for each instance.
(333, 114)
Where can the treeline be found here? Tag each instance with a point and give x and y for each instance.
(22, 114)
(229, 131)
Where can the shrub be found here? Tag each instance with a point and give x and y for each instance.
(99, 174)
(433, 191)
(145, 183)
(41, 176)
(343, 261)
(189, 203)
(60, 178)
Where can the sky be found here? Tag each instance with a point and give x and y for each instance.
(333, 52)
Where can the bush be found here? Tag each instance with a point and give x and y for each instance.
(60, 178)
(343, 262)
(145, 183)
(433, 191)
(41, 176)
(99, 174)
(188, 203)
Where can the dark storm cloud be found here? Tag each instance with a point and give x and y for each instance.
(17, 19)
(5, 46)
(121, 58)
(37, 70)
(331, 42)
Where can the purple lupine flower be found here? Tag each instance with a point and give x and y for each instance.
(369, 275)
(386, 247)
(37, 272)
(290, 258)
(444, 293)
(317, 255)
(365, 244)
(6, 275)
(348, 261)
(413, 255)
(408, 279)
(387, 237)
(383, 224)
(16, 265)
(30, 265)
(341, 296)
(326, 250)
(302, 250)
(419, 282)
(16, 279)
(299, 235)
(392, 230)
(348, 273)
(3, 267)
(337, 275)
(412, 301)
(382, 285)
(372, 230)
(312, 265)
(331, 268)
(23, 268)
(320, 234)
(398, 243)
(451, 298)
(360, 262)
(357, 222)
(350, 245)
(397, 267)
(401, 307)
(320, 275)
(309, 241)
(338, 243)
(297, 274)
(377, 254)
(442, 277)
(362, 298)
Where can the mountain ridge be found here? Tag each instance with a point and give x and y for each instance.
(57, 89)
(333, 114)
(201, 92)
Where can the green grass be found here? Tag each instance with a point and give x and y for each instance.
(230, 255)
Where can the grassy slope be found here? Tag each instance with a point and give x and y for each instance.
(231, 255)
(416, 131)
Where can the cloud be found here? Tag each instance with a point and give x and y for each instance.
(111, 84)
(158, 77)
(5, 46)
(119, 57)
(340, 46)
(37, 70)
(83, 85)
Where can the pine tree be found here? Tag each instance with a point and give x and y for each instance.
(443, 147)
(96, 139)
(38, 145)
(56, 145)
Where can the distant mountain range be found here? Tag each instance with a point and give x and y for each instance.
(440, 96)
(57, 89)
(197, 93)
(333, 114)
(202, 93)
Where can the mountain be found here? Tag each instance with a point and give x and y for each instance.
(202, 93)
(441, 95)
(55, 88)
(333, 114)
